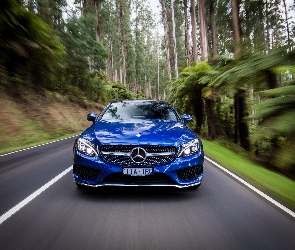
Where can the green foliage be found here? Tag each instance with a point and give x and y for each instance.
(275, 115)
(277, 119)
(253, 70)
(187, 92)
(179, 32)
(30, 52)
(226, 112)
(85, 59)
(51, 12)
(84, 52)
(284, 90)
(189, 80)
(224, 27)
(119, 92)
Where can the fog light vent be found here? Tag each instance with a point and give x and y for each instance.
(86, 172)
(190, 173)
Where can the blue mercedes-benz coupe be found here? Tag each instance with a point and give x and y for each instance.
(138, 143)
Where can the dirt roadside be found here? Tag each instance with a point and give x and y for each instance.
(30, 117)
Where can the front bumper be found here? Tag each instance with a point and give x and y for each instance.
(181, 173)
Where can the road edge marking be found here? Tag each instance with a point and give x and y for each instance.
(20, 205)
(39, 145)
(256, 190)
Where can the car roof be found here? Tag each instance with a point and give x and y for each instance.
(140, 101)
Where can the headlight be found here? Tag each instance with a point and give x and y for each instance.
(86, 147)
(190, 148)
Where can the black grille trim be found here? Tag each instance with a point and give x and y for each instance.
(117, 148)
(87, 172)
(117, 154)
(190, 173)
(155, 178)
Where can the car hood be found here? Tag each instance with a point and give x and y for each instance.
(147, 132)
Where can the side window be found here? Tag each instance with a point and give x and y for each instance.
(172, 116)
(111, 114)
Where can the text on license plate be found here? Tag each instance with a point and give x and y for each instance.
(138, 171)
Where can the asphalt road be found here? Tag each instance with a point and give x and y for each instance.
(221, 214)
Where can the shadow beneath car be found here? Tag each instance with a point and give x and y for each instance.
(137, 193)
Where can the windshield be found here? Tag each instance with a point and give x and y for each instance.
(139, 110)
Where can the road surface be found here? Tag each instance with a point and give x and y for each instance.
(221, 214)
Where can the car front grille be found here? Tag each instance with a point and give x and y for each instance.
(121, 154)
(155, 178)
(86, 172)
(190, 173)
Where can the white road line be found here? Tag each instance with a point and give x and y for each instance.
(20, 205)
(279, 205)
(37, 146)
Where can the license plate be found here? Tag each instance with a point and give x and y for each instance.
(138, 171)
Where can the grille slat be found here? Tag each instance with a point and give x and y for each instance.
(126, 159)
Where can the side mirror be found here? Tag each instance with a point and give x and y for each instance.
(187, 117)
(91, 117)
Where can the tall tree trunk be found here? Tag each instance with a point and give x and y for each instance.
(167, 44)
(194, 32)
(276, 32)
(267, 39)
(158, 80)
(174, 40)
(242, 128)
(203, 30)
(198, 109)
(121, 75)
(186, 34)
(263, 25)
(136, 80)
(247, 19)
(97, 22)
(111, 74)
(272, 80)
(209, 103)
(123, 70)
(213, 30)
(236, 27)
(116, 76)
(287, 22)
(214, 127)
(84, 8)
(30, 5)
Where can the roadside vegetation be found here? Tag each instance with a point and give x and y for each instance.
(36, 117)
(277, 185)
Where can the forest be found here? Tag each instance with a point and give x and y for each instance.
(229, 63)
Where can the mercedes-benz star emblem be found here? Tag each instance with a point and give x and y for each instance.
(138, 155)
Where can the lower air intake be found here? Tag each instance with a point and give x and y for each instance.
(190, 173)
(86, 172)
